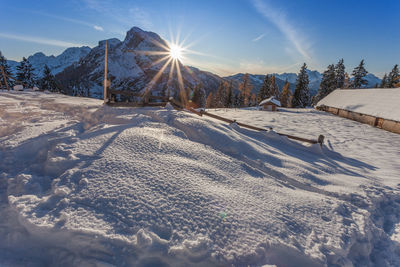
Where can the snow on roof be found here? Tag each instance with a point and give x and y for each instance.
(272, 99)
(383, 103)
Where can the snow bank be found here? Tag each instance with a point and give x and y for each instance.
(83, 184)
(382, 102)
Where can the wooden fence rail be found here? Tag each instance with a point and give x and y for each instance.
(320, 139)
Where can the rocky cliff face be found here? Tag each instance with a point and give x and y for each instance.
(129, 70)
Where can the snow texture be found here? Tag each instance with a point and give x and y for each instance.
(381, 102)
(82, 184)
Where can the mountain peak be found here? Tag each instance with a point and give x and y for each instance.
(139, 39)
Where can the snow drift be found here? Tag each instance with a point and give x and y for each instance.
(85, 184)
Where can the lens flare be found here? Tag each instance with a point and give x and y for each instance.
(175, 52)
(170, 60)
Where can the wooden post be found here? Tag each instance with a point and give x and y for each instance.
(5, 78)
(105, 74)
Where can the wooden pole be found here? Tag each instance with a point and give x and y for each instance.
(5, 78)
(105, 74)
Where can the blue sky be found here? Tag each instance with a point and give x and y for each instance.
(255, 36)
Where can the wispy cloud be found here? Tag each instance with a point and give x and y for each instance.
(39, 40)
(279, 18)
(76, 21)
(127, 17)
(258, 38)
(98, 28)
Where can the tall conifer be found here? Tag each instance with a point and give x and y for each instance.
(301, 97)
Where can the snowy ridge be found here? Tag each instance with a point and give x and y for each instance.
(55, 63)
(85, 184)
(131, 70)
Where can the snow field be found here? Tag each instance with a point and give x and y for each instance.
(84, 184)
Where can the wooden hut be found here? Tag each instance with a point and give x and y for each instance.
(270, 104)
(377, 107)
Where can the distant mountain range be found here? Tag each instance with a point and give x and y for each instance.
(82, 67)
(314, 76)
(55, 63)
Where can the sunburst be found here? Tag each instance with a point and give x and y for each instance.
(172, 54)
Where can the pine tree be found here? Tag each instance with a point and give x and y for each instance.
(236, 102)
(285, 95)
(274, 89)
(245, 91)
(199, 96)
(340, 74)
(394, 77)
(253, 100)
(25, 73)
(210, 100)
(359, 73)
(301, 97)
(220, 97)
(384, 81)
(229, 95)
(48, 81)
(3, 63)
(269, 88)
(21, 70)
(262, 93)
(328, 84)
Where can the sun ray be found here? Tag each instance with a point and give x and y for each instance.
(180, 83)
(160, 60)
(152, 83)
(175, 52)
(191, 73)
(150, 53)
(172, 54)
(171, 70)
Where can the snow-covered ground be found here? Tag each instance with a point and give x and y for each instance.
(86, 185)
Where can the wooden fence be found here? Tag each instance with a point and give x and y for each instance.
(179, 106)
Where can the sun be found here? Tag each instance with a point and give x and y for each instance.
(175, 52)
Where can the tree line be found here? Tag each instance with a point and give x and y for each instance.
(26, 76)
(334, 77)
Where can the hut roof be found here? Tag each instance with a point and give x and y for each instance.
(272, 99)
(377, 102)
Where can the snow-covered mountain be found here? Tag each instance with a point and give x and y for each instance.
(55, 63)
(258, 79)
(372, 80)
(131, 71)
